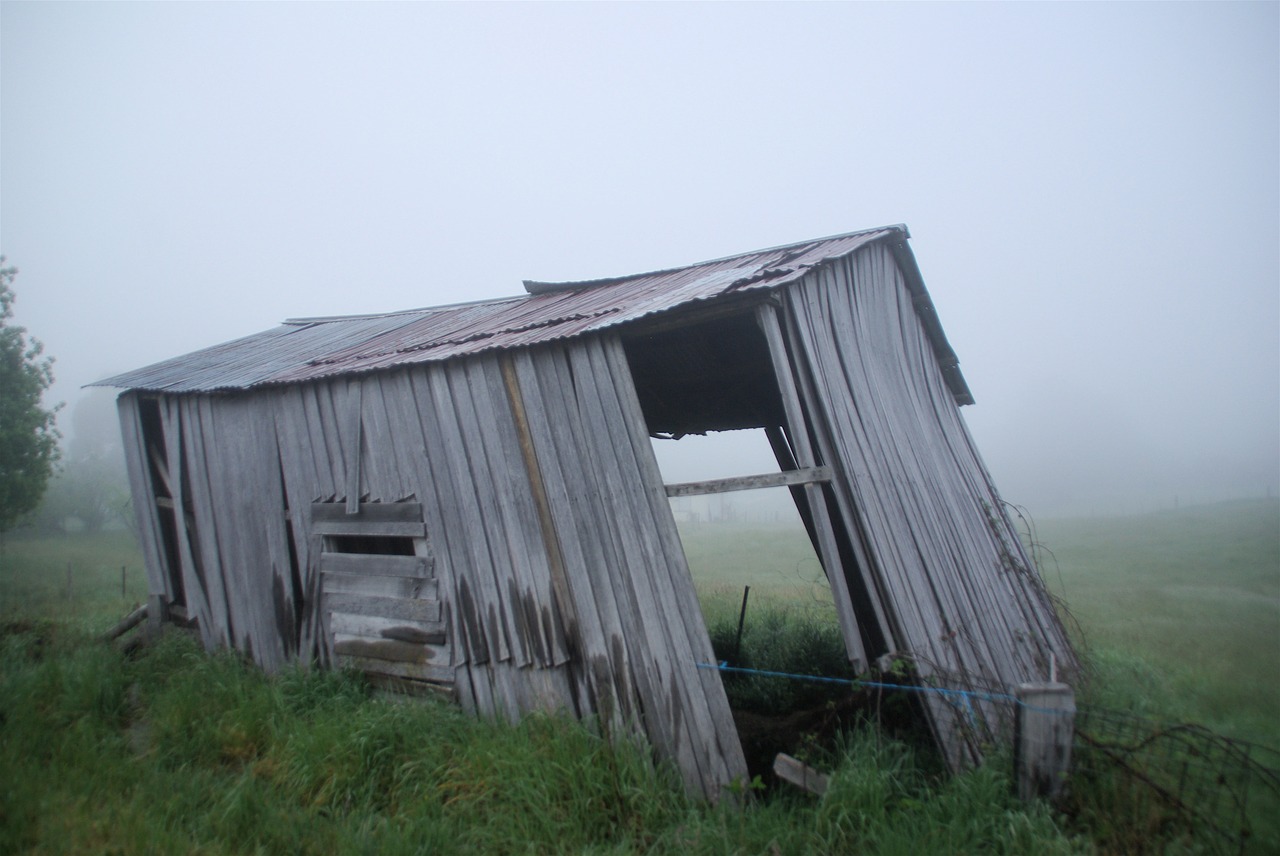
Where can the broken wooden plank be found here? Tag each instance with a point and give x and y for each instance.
(127, 623)
(390, 649)
(374, 627)
(810, 475)
(800, 774)
(371, 585)
(383, 607)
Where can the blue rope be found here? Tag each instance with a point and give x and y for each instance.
(961, 696)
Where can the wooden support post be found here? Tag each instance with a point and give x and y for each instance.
(157, 612)
(1042, 739)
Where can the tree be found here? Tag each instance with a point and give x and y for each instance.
(28, 435)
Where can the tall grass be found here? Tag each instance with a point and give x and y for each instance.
(178, 751)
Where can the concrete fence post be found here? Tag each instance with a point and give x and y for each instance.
(1045, 726)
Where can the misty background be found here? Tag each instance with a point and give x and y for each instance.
(1093, 192)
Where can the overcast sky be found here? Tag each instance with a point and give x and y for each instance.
(1093, 190)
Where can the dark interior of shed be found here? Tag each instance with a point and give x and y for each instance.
(713, 375)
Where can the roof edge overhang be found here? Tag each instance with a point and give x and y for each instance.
(948, 362)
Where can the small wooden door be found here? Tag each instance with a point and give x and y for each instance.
(381, 599)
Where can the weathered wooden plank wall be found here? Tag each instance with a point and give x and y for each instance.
(940, 557)
(549, 574)
(640, 632)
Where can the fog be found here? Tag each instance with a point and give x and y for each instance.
(1093, 191)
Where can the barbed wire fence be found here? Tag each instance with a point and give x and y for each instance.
(1205, 782)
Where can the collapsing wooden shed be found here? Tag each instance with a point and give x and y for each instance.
(466, 496)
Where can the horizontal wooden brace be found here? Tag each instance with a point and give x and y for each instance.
(383, 512)
(784, 479)
(370, 528)
(377, 565)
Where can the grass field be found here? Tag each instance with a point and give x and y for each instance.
(34, 578)
(1193, 595)
(178, 752)
(1184, 605)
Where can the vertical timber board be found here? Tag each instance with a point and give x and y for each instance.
(316, 401)
(716, 738)
(939, 508)
(303, 483)
(798, 430)
(603, 678)
(514, 493)
(283, 614)
(620, 679)
(587, 614)
(298, 452)
(626, 568)
(418, 477)
(837, 441)
(491, 612)
(353, 440)
(454, 544)
(243, 476)
(660, 561)
(383, 445)
(485, 465)
(941, 495)
(962, 648)
(978, 634)
(223, 621)
(330, 402)
(144, 506)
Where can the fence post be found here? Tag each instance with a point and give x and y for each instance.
(1045, 726)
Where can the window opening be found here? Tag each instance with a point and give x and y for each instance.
(369, 545)
(158, 473)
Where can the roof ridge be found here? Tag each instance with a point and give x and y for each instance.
(542, 287)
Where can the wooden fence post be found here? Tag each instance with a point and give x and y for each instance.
(1042, 739)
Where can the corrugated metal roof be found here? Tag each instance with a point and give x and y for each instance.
(310, 348)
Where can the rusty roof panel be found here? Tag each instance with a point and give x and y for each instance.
(307, 349)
